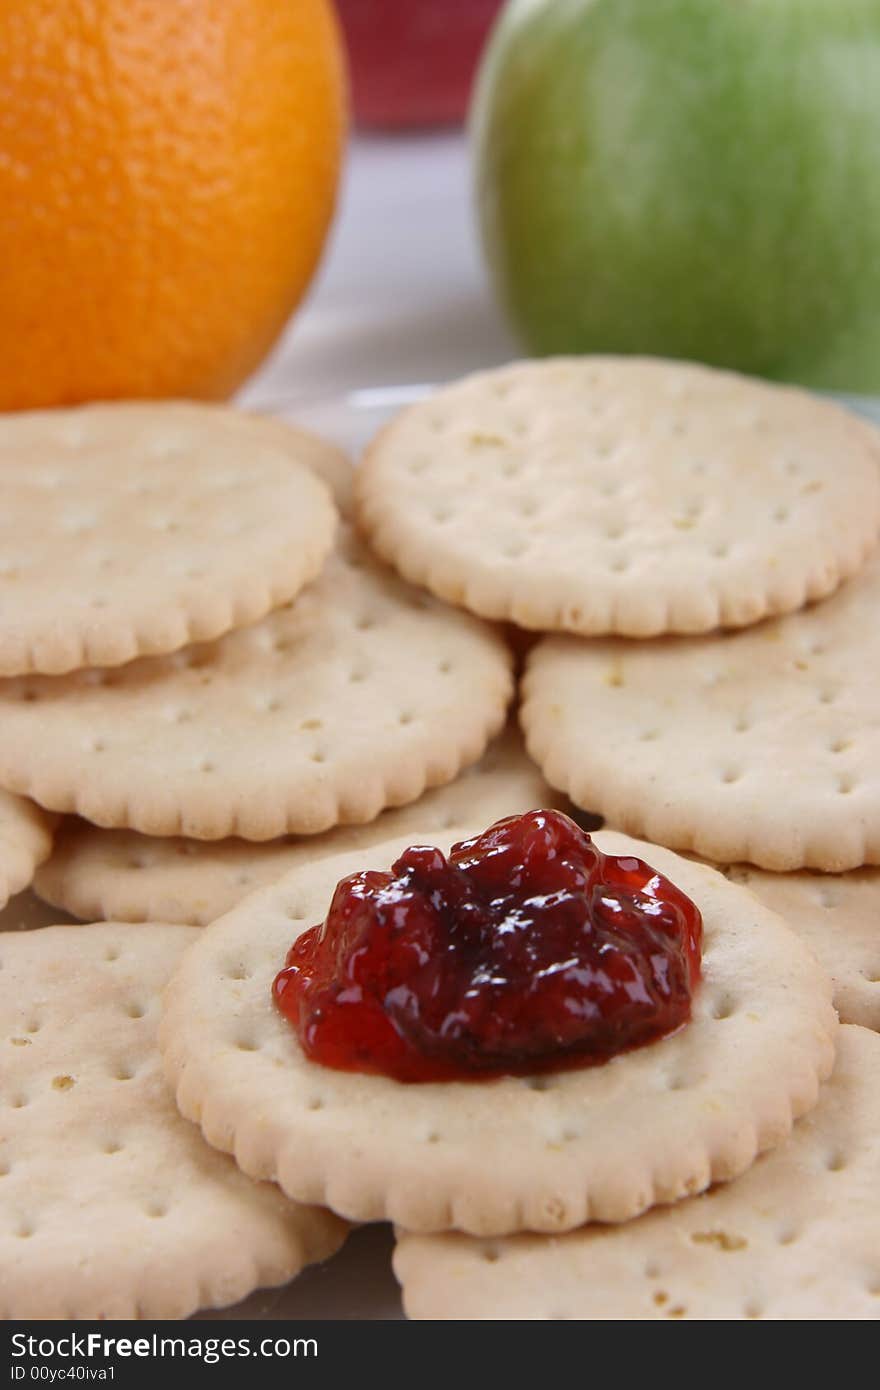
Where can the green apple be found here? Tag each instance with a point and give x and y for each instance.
(691, 178)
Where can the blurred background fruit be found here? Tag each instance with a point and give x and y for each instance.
(413, 61)
(696, 178)
(167, 176)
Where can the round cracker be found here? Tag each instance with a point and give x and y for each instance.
(111, 1205)
(760, 746)
(540, 1153)
(622, 495)
(356, 697)
(838, 916)
(122, 876)
(25, 841)
(797, 1237)
(134, 529)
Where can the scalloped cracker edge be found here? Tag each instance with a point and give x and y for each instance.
(25, 841)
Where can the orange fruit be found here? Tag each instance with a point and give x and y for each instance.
(168, 171)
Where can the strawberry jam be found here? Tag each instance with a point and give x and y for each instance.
(525, 950)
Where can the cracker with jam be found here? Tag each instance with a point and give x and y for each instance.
(528, 1033)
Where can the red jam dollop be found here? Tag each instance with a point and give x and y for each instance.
(526, 950)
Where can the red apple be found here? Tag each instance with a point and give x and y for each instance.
(413, 61)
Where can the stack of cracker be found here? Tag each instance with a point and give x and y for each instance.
(700, 551)
(193, 643)
(208, 664)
